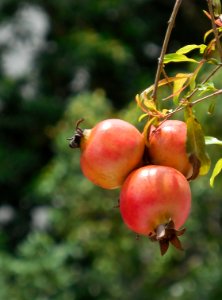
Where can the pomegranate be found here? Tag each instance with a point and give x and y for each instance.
(155, 201)
(109, 151)
(167, 146)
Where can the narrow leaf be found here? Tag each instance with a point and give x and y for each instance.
(211, 107)
(142, 117)
(145, 95)
(150, 104)
(146, 130)
(210, 140)
(139, 101)
(176, 57)
(178, 85)
(188, 48)
(182, 81)
(196, 143)
(207, 34)
(217, 169)
(213, 61)
(194, 75)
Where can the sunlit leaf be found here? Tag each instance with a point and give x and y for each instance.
(147, 127)
(196, 142)
(182, 81)
(145, 94)
(160, 83)
(210, 140)
(217, 169)
(150, 104)
(188, 48)
(139, 101)
(176, 57)
(178, 85)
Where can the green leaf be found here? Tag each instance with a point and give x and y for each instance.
(194, 76)
(188, 48)
(145, 100)
(210, 140)
(216, 7)
(196, 143)
(142, 117)
(213, 61)
(206, 87)
(211, 107)
(217, 169)
(207, 34)
(176, 57)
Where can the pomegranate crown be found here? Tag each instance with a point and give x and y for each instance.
(74, 141)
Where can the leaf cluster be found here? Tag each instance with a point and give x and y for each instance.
(185, 90)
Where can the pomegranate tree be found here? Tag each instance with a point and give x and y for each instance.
(155, 196)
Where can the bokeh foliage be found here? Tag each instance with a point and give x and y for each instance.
(64, 238)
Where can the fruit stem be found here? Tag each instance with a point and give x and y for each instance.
(76, 138)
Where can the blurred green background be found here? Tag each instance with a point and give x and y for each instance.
(61, 237)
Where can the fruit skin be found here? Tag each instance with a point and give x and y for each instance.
(167, 146)
(110, 151)
(154, 195)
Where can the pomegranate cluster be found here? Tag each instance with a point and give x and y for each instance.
(151, 170)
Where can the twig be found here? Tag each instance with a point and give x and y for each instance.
(211, 74)
(210, 7)
(164, 47)
(218, 92)
(182, 106)
(167, 78)
(205, 80)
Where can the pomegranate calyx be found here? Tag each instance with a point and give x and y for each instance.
(76, 138)
(166, 234)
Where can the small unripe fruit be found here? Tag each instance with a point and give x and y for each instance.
(109, 151)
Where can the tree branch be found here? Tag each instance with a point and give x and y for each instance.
(218, 92)
(164, 47)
